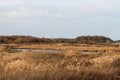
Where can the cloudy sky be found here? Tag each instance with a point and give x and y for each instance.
(60, 18)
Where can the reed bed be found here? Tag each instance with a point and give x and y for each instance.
(66, 47)
(70, 65)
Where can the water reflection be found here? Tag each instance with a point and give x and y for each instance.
(89, 52)
(38, 50)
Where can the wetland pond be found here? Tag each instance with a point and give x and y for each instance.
(39, 50)
(90, 52)
(49, 51)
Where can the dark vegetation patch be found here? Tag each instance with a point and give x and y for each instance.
(36, 40)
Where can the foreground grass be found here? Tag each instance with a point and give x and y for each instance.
(66, 66)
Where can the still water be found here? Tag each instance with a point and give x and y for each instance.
(38, 50)
(51, 51)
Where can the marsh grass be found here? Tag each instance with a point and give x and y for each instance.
(7, 49)
(70, 65)
(116, 63)
(48, 66)
(74, 47)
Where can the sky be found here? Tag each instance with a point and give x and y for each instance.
(60, 18)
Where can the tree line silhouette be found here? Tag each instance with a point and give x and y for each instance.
(36, 40)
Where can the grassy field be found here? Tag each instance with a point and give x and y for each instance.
(69, 65)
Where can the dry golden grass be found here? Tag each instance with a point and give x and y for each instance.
(70, 65)
(66, 47)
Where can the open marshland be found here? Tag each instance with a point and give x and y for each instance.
(59, 40)
(69, 64)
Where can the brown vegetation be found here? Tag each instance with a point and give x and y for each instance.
(34, 40)
(93, 39)
(67, 66)
(76, 47)
(23, 40)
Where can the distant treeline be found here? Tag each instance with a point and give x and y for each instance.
(93, 39)
(35, 40)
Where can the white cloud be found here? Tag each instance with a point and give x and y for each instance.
(89, 8)
(23, 13)
(55, 8)
(112, 7)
